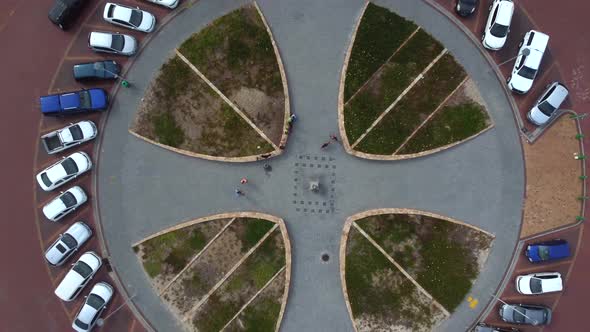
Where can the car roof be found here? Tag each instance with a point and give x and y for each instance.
(103, 39)
(505, 9)
(53, 208)
(558, 95)
(53, 254)
(533, 60)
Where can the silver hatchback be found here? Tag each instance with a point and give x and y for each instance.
(550, 101)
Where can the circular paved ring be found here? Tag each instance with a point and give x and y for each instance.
(143, 189)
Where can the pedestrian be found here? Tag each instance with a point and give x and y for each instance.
(239, 192)
(334, 137)
(292, 118)
(267, 167)
(244, 181)
(325, 145)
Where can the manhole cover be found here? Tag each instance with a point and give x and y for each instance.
(325, 257)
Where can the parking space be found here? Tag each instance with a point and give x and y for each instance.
(63, 81)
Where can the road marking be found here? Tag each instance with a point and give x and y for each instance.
(430, 116)
(253, 297)
(387, 110)
(401, 269)
(192, 260)
(381, 67)
(83, 58)
(543, 267)
(472, 302)
(229, 102)
(228, 274)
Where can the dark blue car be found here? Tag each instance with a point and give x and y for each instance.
(74, 102)
(548, 251)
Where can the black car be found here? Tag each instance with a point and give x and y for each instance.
(64, 12)
(466, 7)
(481, 327)
(108, 70)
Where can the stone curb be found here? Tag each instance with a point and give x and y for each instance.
(247, 214)
(343, 136)
(204, 156)
(342, 257)
(285, 135)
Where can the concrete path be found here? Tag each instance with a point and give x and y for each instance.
(143, 189)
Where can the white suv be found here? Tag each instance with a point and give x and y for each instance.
(67, 243)
(79, 275)
(498, 24)
(528, 61)
(549, 102)
(65, 203)
(64, 171)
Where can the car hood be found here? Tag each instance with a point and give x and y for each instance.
(538, 117)
(130, 45)
(92, 259)
(99, 97)
(520, 83)
(148, 22)
(80, 232)
(88, 129)
(524, 284)
(82, 161)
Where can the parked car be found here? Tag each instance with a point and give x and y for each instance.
(90, 100)
(539, 283)
(549, 102)
(131, 18)
(100, 295)
(548, 251)
(481, 327)
(528, 61)
(67, 243)
(64, 170)
(166, 3)
(466, 7)
(65, 203)
(498, 24)
(112, 42)
(103, 70)
(69, 136)
(64, 12)
(529, 314)
(79, 275)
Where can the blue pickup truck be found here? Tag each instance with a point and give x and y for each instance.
(74, 102)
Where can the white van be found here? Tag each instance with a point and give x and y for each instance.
(78, 276)
(528, 61)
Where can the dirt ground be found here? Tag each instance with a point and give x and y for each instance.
(552, 183)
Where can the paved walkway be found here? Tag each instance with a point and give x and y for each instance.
(143, 188)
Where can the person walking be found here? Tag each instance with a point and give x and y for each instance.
(244, 181)
(334, 137)
(325, 145)
(239, 192)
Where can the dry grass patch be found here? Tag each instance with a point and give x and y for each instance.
(552, 179)
(235, 53)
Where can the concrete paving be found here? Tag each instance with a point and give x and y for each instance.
(143, 189)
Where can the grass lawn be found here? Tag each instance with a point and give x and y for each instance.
(250, 277)
(380, 295)
(379, 34)
(414, 107)
(235, 53)
(442, 256)
(385, 87)
(451, 124)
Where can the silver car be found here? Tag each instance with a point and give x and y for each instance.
(529, 314)
(549, 101)
(67, 243)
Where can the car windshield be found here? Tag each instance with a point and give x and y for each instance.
(45, 179)
(136, 17)
(84, 99)
(118, 42)
(95, 301)
(70, 166)
(527, 72)
(83, 269)
(81, 324)
(546, 108)
(499, 30)
(76, 132)
(518, 315)
(536, 285)
(69, 241)
(544, 252)
(68, 199)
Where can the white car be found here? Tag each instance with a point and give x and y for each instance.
(64, 171)
(67, 243)
(498, 24)
(166, 3)
(131, 18)
(549, 102)
(100, 295)
(79, 275)
(65, 203)
(539, 283)
(69, 136)
(112, 42)
(528, 61)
